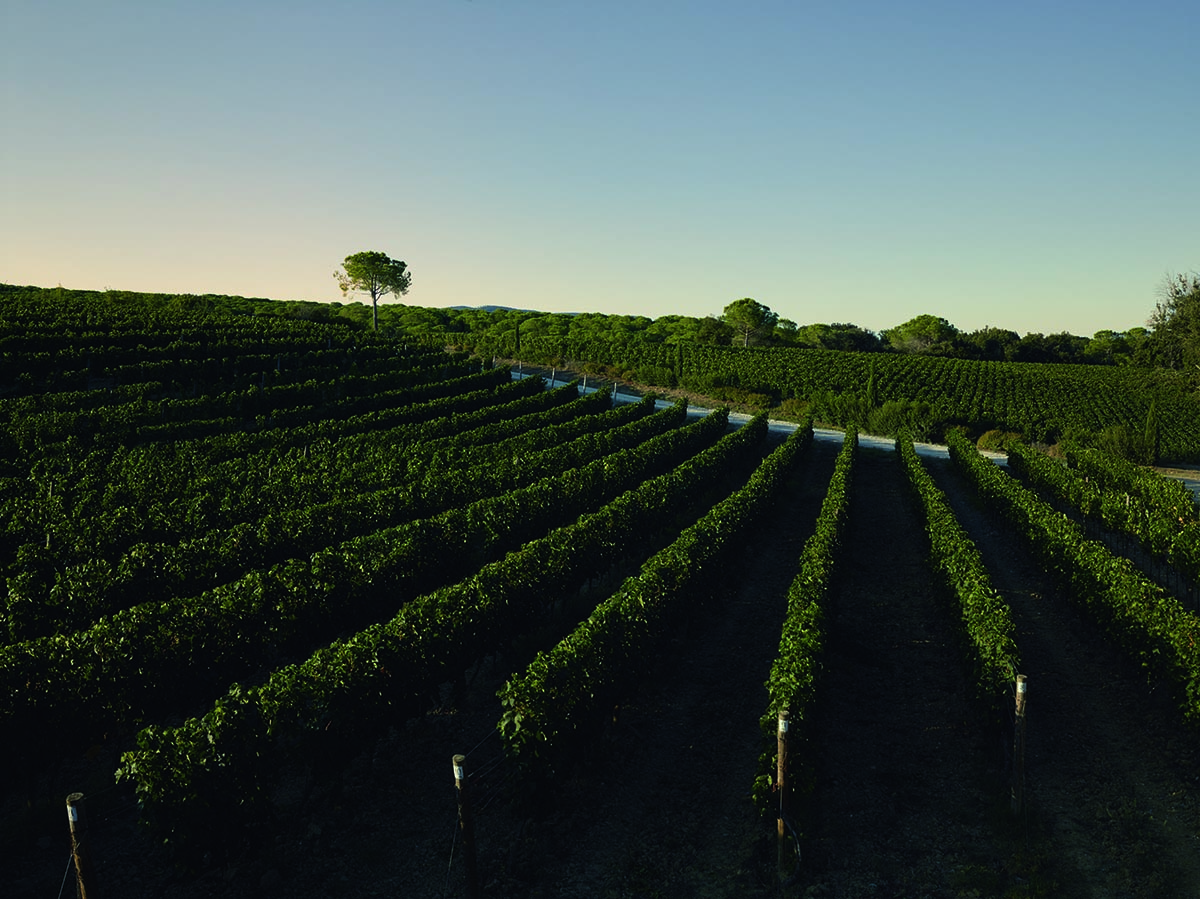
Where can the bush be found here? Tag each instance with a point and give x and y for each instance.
(902, 416)
(794, 409)
(707, 383)
(996, 440)
(840, 408)
(1116, 440)
(656, 376)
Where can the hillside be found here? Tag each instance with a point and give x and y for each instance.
(277, 572)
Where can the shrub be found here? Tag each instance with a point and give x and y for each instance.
(1117, 440)
(902, 416)
(794, 408)
(656, 376)
(996, 440)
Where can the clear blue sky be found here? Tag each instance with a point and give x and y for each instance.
(1031, 165)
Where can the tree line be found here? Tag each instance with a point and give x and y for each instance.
(1171, 338)
(1171, 341)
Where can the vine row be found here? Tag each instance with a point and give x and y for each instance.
(155, 657)
(1156, 516)
(219, 766)
(1153, 627)
(154, 572)
(792, 682)
(556, 702)
(986, 618)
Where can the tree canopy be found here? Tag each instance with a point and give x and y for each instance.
(923, 334)
(837, 336)
(375, 274)
(749, 318)
(1176, 322)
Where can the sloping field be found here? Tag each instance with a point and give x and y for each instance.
(279, 578)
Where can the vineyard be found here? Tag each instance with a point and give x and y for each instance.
(266, 576)
(926, 395)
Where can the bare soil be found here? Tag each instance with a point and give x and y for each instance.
(910, 777)
(908, 773)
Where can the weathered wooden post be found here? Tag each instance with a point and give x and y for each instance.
(1018, 784)
(781, 761)
(466, 825)
(85, 880)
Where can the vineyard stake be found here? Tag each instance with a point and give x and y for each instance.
(781, 756)
(85, 881)
(1018, 785)
(466, 825)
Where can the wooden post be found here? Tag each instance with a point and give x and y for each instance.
(466, 826)
(1018, 784)
(781, 760)
(85, 880)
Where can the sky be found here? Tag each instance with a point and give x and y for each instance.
(1026, 165)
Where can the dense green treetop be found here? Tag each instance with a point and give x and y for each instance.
(837, 336)
(924, 334)
(375, 274)
(1176, 323)
(749, 319)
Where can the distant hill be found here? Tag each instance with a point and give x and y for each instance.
(505, 309)
(491, 308)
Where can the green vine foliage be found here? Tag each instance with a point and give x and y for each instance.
(1151, 626)
(332, 700)
(986, 618)
(1042, 401)
(224, 792)
(157, 571)
(144, 420)
(1168, 497)
(1156, 511)
(561, 699)
(81, 506)
(141, 659)
(793, 680)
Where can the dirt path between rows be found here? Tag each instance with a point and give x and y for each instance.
(906, 779)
